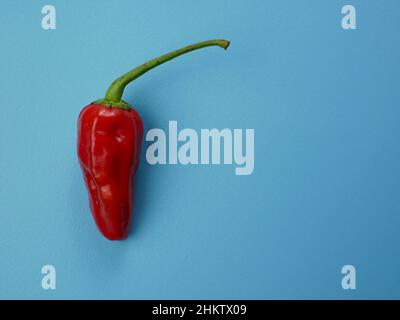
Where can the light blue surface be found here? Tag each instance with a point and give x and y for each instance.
(324, 103)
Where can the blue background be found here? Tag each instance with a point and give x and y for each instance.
(324, 103)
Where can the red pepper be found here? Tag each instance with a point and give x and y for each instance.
(110, 134)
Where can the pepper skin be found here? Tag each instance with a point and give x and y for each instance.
(109, 150)
(110, 134)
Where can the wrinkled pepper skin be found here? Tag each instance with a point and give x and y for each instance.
(110, 135)
(109, 142)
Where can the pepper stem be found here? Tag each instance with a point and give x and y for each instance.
(116, 89)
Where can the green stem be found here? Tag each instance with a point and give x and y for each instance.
(115, 91)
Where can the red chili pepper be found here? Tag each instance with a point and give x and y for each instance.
(110, 134)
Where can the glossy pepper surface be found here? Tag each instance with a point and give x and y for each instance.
(110, 134)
